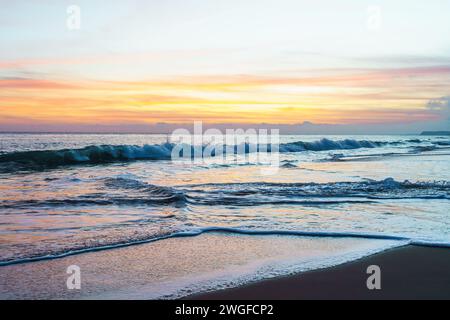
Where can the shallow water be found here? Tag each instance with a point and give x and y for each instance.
(174, 268)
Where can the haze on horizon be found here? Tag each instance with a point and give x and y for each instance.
(152, 66)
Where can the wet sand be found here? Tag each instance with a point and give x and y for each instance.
(409, 272)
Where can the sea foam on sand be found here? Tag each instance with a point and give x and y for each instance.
(174, 268)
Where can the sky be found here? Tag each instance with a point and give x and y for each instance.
(151, 65)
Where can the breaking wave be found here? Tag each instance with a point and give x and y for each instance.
(327, 144)
(132, 192)
(32, 160)
(87, 155)
(239, 194)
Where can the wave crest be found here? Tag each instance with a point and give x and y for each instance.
(35, 160)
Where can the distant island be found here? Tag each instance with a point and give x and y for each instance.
(435, 133)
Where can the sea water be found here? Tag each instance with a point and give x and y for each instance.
(69, 194)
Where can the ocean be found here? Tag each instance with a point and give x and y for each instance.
(332, 199)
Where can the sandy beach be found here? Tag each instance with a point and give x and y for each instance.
(409, 272)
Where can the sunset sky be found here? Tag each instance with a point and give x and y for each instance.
(138, 63)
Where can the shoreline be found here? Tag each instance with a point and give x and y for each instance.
(235, 264)
(178, 267)
(408, 272)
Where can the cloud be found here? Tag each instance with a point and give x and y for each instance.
(440, 106)
(27, 83)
